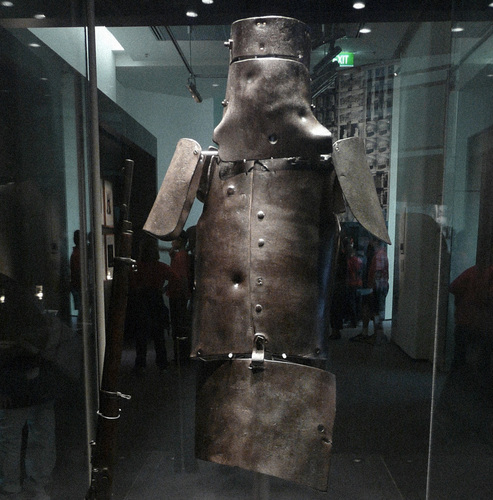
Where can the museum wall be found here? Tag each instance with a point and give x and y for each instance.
(169, 118)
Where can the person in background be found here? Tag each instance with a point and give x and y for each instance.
(367, 297)
(373, 304)
(354, 283)
(179, 293)
(28, 385)
(147, 315)
(338, 303)
(378, 280)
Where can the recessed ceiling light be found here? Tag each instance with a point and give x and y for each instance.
(34, 45)
(358, 5)
(215, 84)
(192, 13)
(7, 4)
(208, 2)
(39, 16)
(457, 29)
(490, 5)
(365, 30)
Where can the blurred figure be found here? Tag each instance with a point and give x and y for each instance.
(373, 303)
(367, 297)
(27, 393)
(179, 293)
(338, 303)
(147, 315)
(473, 292)
(378, 280)
(354, 283)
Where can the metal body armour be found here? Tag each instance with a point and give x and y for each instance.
(265, 251)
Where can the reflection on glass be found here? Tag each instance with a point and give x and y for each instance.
(427, 121)
(42, 428)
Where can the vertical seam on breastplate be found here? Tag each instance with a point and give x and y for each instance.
(252, 188)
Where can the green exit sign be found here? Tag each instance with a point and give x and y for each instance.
(345, 58)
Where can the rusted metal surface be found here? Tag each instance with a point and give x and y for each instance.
(261, 249)
(270, 36)
(267, 110)
(357, 184)
(276, 421)
(268, 113)
(265, 250)
(177, 193)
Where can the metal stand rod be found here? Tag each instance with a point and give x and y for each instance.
(261, 486)
(180, 407)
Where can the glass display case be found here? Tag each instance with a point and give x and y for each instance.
(414, 412)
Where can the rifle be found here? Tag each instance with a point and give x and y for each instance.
(103, 448)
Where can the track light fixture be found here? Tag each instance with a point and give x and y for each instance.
(192, 88)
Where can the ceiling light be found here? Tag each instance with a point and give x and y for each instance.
(7, 4)
(34, 45)
(490, 4)
(365, 30)
(208, 2)
(192, 13)
(39, 16)
(457, 29)
(358, 5)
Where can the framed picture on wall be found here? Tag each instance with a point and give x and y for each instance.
(108, 208)
(109, 255)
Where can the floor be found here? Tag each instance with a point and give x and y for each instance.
(381, 436)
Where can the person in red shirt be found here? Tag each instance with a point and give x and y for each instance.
(473, 292)
(147, 314)
(377, 281)
(354, 282)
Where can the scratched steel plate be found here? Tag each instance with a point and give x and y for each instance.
(268, 113)
(277, 421)
(357, 184)
(177, 192)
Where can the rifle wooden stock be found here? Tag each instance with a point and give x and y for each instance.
(103, 449)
